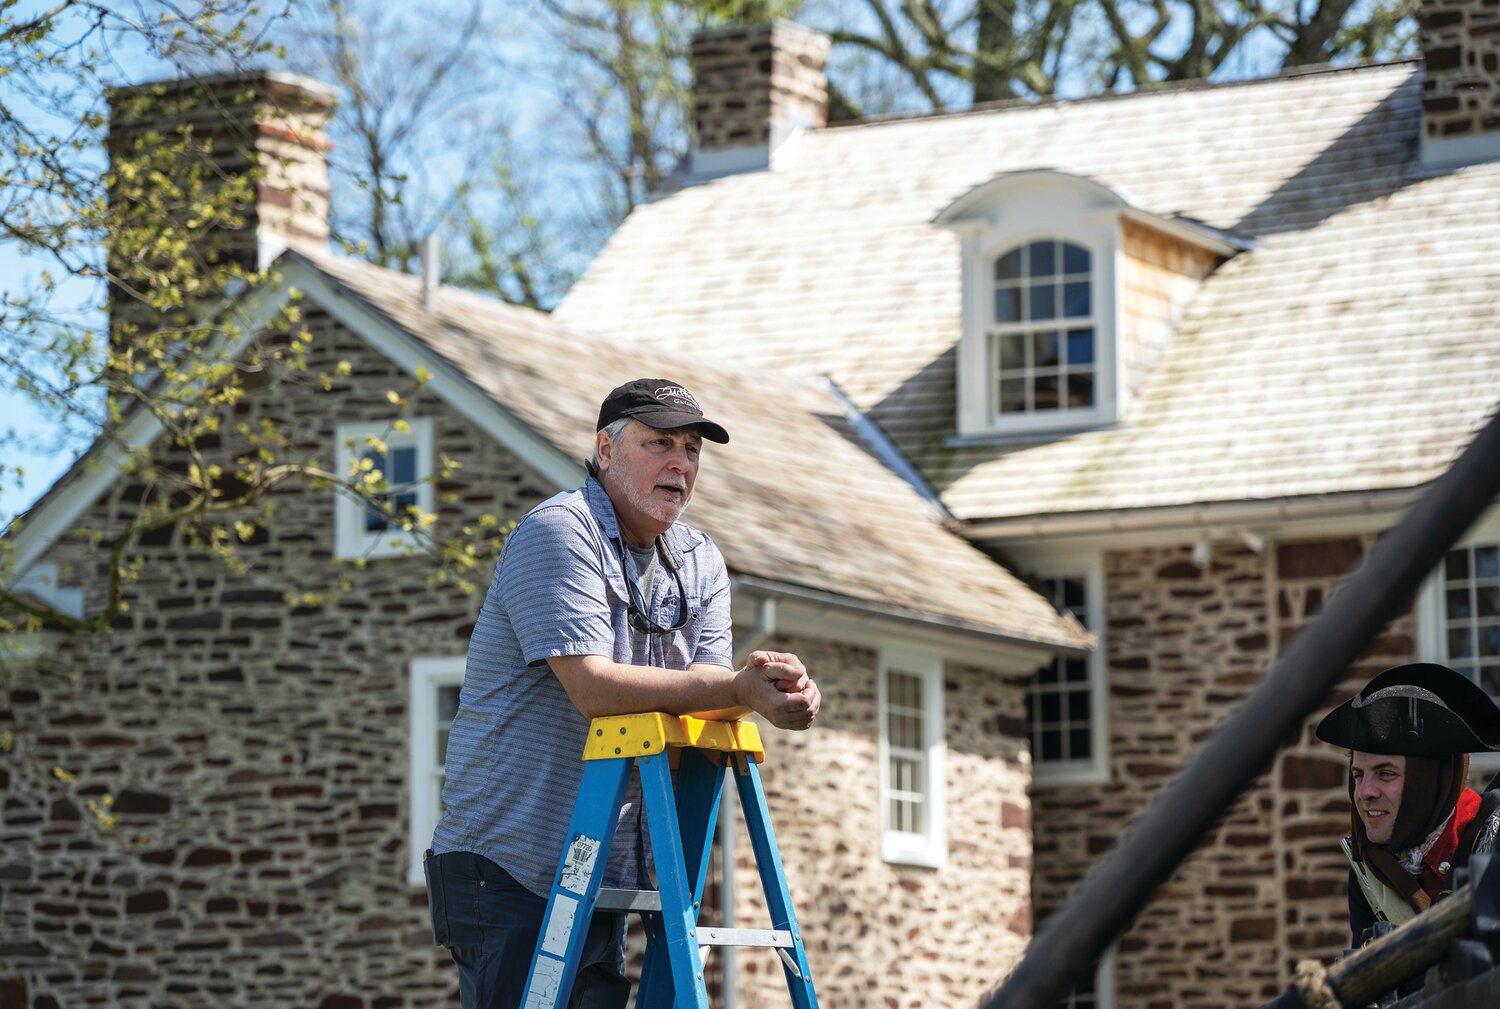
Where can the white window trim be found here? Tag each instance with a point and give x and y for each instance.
(1104, 981)
(1096, 770)
(930, 848)
(1432, 637)
(350, 537)
(427, 675)
(1013, 211)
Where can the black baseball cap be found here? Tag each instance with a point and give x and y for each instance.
(660, 403)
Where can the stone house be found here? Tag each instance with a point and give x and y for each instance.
(275, 767)
(1177, 357)
(1128, 347)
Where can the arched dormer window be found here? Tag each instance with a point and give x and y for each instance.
(1037, 354)
(1050, 261)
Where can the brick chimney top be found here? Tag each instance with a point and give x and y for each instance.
(266, 121)
(1461, 86)
(754, 86)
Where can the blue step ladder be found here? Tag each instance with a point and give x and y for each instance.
(681, 824)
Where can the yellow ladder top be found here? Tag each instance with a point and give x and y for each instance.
(651, 732)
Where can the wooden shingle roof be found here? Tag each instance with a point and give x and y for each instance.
(793, 499)
(1353, 349)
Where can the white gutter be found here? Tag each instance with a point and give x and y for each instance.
(885, 611)
(1214, 513)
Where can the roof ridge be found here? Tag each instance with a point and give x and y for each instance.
(1164, 88)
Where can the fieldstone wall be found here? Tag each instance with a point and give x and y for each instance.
(1266, 888)
(256, 752)
(1461, 68)
(878, 933)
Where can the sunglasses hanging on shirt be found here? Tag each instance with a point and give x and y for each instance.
(635, 614)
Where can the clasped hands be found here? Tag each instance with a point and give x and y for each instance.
(776, 685)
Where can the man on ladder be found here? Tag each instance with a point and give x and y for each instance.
(601, 604)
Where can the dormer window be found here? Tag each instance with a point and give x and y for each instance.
(1043, 332)
(1070, 294)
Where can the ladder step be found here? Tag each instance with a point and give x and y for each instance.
(768, 937)
(612, 899)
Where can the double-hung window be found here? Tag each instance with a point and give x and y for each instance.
(1067, 703)
(383, 523)
(432, 702)
(912, 759)
(1459, 607)
(1043, 341)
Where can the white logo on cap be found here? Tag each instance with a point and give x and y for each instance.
(677, 396)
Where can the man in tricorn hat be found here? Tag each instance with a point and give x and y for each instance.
(1409, 733)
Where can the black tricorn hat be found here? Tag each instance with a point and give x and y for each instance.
(1420, 709)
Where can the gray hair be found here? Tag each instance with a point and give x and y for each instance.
(613, 429)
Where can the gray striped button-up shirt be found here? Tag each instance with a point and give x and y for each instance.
(514, 752)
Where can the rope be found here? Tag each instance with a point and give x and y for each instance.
(1311, 982)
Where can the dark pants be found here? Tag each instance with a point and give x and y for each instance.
(490, 924)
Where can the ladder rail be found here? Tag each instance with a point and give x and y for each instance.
(681, 816)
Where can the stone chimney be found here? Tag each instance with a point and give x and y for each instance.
(262, 132)
(1461, 87)
(754, 86)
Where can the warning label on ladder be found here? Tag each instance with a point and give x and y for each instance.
(578, 866)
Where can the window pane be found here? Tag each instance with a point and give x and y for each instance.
(1012, 351)
(447, 703)
(1051, 707)
(1078, 670)
(1041, 302)
(1489, 641)
(1080, 346)
(1078, 744)
(1457, 566)
(1458, 604)
(403, 466)
(1075, 259)
(442, 746)
(375, 520)
(1044, 392)
(1048, 673)
(1073, 597)
(1007, 305)
(1487, 598)
(1045, 349)
(1487, 562)
(1080, 389)
(1013, 395)
(405, 501)
(1078, 706)
(1076, 299)
(1043, 257)
(1460, 643)
(1052, 745)
(1008, 266)
(1489, 679)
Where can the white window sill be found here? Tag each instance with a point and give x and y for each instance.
(1028, 436)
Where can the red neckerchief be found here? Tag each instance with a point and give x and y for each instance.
(1437, 865)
